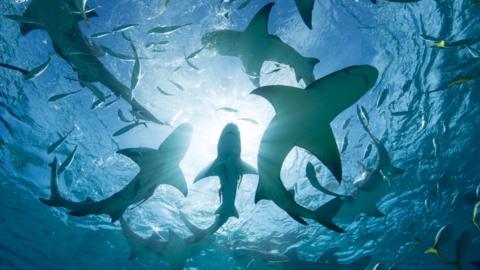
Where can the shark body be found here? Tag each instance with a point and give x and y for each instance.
(230, 168)
(303, 119)
(175, 250)
(57, 19)
(157, 166)
(255, 45)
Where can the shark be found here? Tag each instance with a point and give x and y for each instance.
(70, 43)
(175, 250)
(255, 45)
(157, 166)
(255, 259)
(302, 118)
(373, 185)
(229, 168)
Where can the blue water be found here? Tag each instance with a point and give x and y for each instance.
(436, 143)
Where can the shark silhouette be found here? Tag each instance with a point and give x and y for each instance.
(175, 250)
(156, 167)
(255, 259)
(303, 119)
(255, 45)
(230, 168)
(57, 19)
(373, 186)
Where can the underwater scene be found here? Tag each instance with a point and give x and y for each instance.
(240, 134)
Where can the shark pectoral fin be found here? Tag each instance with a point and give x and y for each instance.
(138, 155)
(326, 212)
(259, 24)
(245, 168)
(305, 8)
(283, 98)
(210, 170)
(374, 212)
(321, 143)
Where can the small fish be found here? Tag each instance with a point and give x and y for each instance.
(442, 235)
(124, 27)
(473, 52)
(153, 44)
(177, 85)
(108, 104)
(36, 71)
(166, 29)
(250, 120)
(402, 113)
(136, 69)
(345, 124)
(159, 50)
(59, 142)
(97, 104)
(440, 44)
(191, 64)
(61, 95)
(344, 144)
(382, 97)
(455, 82)
(362, 112)
(128, 127)
(23, 19)
(81, 7)
(477, 191)
(368, 151)
(244, 4)
(476, 215)
(272, 71)
(227, 109)
(30, 74)
(378, 266)
(118, 55)
(101, 34)
(67, 161)
(163, 92)
(122, 116)
(194, 54)
(126, 37)
(95, 90)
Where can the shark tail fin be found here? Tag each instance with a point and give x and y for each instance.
(196, 231)
(326, 212)
(305, 71)
(55, 198)
(433, 250)
(361, 263)
(305, 9)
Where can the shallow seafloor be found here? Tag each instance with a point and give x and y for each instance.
(435, 141)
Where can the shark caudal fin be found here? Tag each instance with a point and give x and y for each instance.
(197, 232)
(326, 212)
(132, 239)
(305, 8)
(55, 198)
(361, 263)
(304, 70)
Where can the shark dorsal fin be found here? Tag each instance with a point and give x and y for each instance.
(284, 99)
(259, 23)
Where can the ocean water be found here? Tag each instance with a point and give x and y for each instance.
(432, 136)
